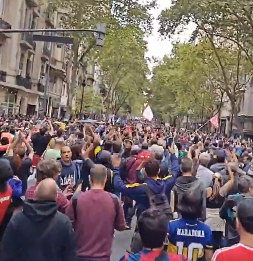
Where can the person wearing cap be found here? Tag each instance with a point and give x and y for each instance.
(244, 226)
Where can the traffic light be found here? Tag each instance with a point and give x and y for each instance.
(100, 36)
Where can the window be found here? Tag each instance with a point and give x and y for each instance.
(33, 24)
(21, 63)
(29, 66)
(42, 69)
(2, 7)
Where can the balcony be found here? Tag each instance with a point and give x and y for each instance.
(4, 25)
(27, 41)
(32, 3)
(2, 76)
(25, 82)
(46, 52)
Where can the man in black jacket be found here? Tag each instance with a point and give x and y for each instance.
(40, 232)
(184, 183)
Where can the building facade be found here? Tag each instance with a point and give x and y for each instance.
(31, 71)
(245, 114)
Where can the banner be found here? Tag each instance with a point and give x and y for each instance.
(215, 121)
(148, 114)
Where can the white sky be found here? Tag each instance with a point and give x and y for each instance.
(157, 47)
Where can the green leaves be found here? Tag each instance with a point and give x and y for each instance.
(91, 101)
(124, 67)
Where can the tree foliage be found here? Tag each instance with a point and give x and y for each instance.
(91, 102)
(124, 68)
(193, 79)
(226, 29)
(132, 16)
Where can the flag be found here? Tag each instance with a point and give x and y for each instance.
(214, 121)
(148, 114)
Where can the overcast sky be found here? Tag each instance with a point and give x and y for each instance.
(157, 47)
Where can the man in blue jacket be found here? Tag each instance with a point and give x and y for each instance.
(137, 191)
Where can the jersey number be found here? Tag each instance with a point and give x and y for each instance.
(192, 252)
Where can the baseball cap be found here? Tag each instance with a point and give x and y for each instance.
(6, 172)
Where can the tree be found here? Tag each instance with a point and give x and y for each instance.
(91, 101)
(87, 13)
(225, 27)
(226, 19)
(199, 79)
(124, 68)
(180, 84)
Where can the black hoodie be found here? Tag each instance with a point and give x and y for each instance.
(39, 233)
(184, 183)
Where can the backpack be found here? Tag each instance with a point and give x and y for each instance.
(132, 165)
(159, 202)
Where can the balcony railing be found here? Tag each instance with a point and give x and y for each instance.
(25, 82)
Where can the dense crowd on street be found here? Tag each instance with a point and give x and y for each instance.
(67, 185)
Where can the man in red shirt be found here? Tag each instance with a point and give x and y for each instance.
(244, 225)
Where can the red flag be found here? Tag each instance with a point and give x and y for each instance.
(214, 121)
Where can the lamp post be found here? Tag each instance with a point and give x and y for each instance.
(81, 105)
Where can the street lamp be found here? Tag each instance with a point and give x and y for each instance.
(81, 105)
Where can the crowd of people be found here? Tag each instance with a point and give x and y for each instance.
(65, 187)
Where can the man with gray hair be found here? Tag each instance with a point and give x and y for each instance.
(203, 173)
(43, 232)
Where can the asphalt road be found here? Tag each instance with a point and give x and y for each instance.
(121, 243)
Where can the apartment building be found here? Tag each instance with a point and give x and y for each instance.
(27, 67)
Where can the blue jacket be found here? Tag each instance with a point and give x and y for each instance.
(16, 186)
(137, 192)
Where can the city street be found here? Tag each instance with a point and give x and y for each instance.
(121, 243)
